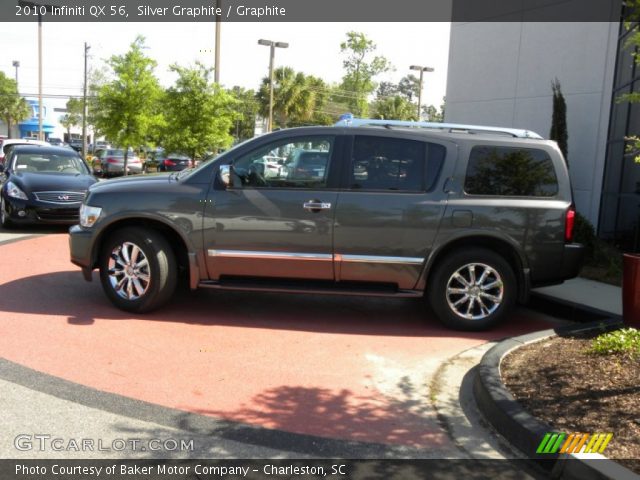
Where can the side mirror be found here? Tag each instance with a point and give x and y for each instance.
(225, 175)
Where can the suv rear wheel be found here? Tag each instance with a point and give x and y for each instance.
(472, 289)
(137, 269)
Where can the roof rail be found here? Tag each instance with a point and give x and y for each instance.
(348, 120)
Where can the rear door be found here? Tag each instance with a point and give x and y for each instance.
(389, 209)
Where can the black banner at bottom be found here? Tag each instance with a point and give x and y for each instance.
(309, 469)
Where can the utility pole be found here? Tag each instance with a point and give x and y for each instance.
(84, 104)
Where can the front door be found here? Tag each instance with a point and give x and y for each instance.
(276, 219)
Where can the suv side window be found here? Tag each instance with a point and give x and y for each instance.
(394, 164)
(509, 171)
(302, 162)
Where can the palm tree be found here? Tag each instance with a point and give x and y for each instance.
(296, 97)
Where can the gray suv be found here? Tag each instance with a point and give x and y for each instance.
(469, 217)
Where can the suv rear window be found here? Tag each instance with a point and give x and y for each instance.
(509, 171)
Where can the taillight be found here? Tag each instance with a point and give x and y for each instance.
(568, 224)
(169, 163)
(112, 160)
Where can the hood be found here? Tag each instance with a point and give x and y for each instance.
(131, 182)
(43, 182)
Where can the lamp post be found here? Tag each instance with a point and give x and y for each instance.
(273, 45)
(16, 64)
(84, 104)
(216, 65)
(422, 70)
(48, 8)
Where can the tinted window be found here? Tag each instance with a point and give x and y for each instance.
(507, 171)
(302, 162)
(387, 164)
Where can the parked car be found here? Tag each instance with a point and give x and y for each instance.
(173, 162)
(42, 184)
(306, 164)
(470, 217)
(7, 143)
(76, 144)
(110, 162)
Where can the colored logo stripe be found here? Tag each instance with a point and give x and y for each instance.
(574, 443)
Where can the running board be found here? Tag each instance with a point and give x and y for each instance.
(309, 287)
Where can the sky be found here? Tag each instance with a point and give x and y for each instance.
(314, 48)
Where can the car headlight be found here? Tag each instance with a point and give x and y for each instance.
(14, 192)
(89, 215)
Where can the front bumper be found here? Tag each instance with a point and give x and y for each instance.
(81, 249)
(32, 212)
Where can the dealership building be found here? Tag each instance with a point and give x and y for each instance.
(501, 73)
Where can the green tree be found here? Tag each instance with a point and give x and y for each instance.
(128, 106)
(199, 113)
(97, 79)
(360, 70)
(559, 131)
(73, 117)
(394, 108)
(409, 86)
(13, 108)
(432, 114)
(244, 124)
(297, 98)
(386, 89)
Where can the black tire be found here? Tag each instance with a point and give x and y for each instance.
(141, 289)
(5, 221)
(462, 304)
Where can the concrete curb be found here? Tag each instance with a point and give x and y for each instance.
(523, 430)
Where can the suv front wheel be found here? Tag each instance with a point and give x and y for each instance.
(137, 269)
(472, 289)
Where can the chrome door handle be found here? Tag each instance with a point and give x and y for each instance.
(314, 206)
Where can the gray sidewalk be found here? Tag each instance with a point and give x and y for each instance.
(586, 293)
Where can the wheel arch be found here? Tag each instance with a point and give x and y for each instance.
(506, 248)
(180, 245)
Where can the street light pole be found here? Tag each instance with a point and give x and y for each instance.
(422, 70)
(84, 104)
(272, 45)
(48, 9)
(216, 67)
(40, 132)
(16, 64)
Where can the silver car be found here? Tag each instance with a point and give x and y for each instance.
(110, 162)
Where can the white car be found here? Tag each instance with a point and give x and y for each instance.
(272, 166)
(5, 143)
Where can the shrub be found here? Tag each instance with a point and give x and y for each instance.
(625, 340)
(584, 233)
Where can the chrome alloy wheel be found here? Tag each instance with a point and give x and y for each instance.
(475, 291)
(129, 271)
